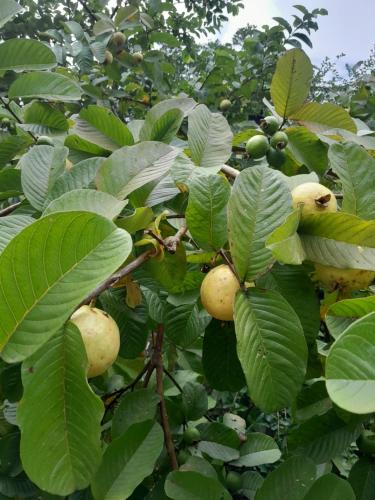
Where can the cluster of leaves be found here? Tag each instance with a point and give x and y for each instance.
(94, 179)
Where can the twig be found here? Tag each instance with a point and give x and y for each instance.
(10, 209)
(88, 10)
(172, 242)
(230, 171)
(15, 116)
(229, 263)
(171, 377)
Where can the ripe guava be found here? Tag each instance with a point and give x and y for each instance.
(346, 280)
(279, 140)
(101, 337)
(108, 57)
(269, 125)
(118, 38)
(314, 198)
(257, 146)
(225, 104)
(218, 291)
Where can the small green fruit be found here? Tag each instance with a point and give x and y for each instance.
(225, 104)
(269, 125)
(44, 140)
(138, 57)
(182, 457)
(276, 157)
(366, 442)
(257, 146)
(118, 38)
(279, 140)
(108, 57)
(191, 435)
(5, 122)
(233, 481)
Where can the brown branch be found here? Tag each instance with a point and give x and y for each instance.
(230, 171)
(10, 209)
(171, 243)
(171, 377)
(88, 10)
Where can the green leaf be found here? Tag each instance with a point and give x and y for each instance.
(291, 82)
(55, 262)
(87, 200)
(259, 203)
(139, 219)
(130, 168)
(290, 481)
(362, 478)
(296, 287)
(259, 449)
(356, 170)
(323, 437)
(164, 128)
(60, 441)
(189, 485)
(45, 85)
(350, 370)
(220, 361)
(10, 183)
(331, 487)
(171, 271)
(155, 304)
(40, 168)
(12, 225)
(8, 9)
(10, 147)
(134, 407)
(182, 325)
(320, 117)
(163, 37)
(127, 461)
(81, 175)
(206, 213)
(210, 138)
(194, 401)
(19, 486)
(85, 148)
(41, 118)
(353, 308)
(102, 122)
(219, 442)
(311, 401)
(271, 348)
(308, 149)
(20, 54)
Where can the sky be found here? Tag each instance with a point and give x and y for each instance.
(348, 28)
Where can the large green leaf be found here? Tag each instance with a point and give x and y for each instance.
(220, 361)
(8, 9)
(323, 437)
(320, 117)
(290, 481)
(100, 126)
(331, 487)
(291, 82)
(362, 478)
(40, 168)
(10, 183)
(130, 168)
(127, 461)
(41, 118)
(206, 213)
(182, 325)
(356, 169)
(210, 137)
(60, 441)
(45, 85)
(308, 149)
(12, 225)
(350, 369)
(353, 308)
(259, 203)
(271, 348)
(190, 485)
(47, 269)
(10, 147)
(219, 442)
(259, 449)
(87, 200)
(296, 287)
(20, 54)
(164, 128)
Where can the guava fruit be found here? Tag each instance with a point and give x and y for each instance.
(269, 125)
(225, 104)
(257, 146)
(137, 57)
(276, 157)
(279, 140)
(314, 198)
(346, 280)
(191, 435)
(108, 57)
(118, 38)
(233, 481)
(218, 291)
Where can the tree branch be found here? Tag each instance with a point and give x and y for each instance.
(230, 171)
(10, 209)
(171, 243)
(171, 377)
(88, 10)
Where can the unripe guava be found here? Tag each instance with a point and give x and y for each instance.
(233, 481)
(44, 140)
(218, 291)
(108, 57)
(346, 280)
(182, 457)
(191, 435)
(101, 337)
(137, 57)
(257, 146)
(276, 157)
(225, 104)
(118, 38)
(279, 140)
(269, 125)
(315, 197)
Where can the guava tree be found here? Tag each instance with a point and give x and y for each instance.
(186, 299)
